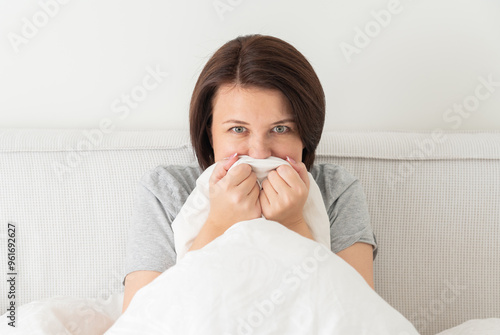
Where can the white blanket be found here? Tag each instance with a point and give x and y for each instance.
(260, 278)
(194, 213)
(63, 315)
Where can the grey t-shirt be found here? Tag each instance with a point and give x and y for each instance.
(162, 191)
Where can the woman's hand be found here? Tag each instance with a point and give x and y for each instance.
(234, 195)
(284, 194)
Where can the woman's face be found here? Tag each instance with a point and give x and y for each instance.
(255, 122)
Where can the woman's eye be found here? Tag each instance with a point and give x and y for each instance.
(281, 129)
(238, 130)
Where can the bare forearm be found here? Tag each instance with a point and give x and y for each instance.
(302, 228)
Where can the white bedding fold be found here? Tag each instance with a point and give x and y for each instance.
(60, 315)
(260, 278)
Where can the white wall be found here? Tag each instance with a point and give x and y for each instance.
(73, 66)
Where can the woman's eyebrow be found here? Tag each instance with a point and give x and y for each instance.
(284, 121)
(235, 121)
(246, 123)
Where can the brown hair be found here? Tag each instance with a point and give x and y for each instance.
(264, 62)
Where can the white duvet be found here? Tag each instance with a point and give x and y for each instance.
(260, 278)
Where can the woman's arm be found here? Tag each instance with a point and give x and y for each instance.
(302, 228)
(360, 257)
(135, 281)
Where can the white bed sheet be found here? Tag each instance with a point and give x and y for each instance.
(62, 315)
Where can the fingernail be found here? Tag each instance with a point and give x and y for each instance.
(291, 160)
(232, 156)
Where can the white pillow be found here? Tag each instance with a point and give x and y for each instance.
(475, 327)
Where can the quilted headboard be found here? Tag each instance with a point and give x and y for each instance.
(434, 200)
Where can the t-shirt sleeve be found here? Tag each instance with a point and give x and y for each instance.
(159, 196)
(346, 206)
(350, 219)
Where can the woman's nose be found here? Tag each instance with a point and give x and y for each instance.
(259, 148)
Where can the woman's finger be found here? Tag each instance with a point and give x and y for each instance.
(222, 167)
(248, 183)
(268, 191)
(277, 181)
(301, 170)
(264, 200)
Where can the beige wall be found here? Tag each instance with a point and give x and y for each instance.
(394, 65)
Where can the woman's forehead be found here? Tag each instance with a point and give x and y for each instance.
(235, 100)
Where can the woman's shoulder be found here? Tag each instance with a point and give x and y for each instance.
(330, 172)
(332, 180)
(172, 177)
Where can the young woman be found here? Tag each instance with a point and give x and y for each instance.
(256, 96)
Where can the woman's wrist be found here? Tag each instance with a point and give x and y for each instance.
(301, 227)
